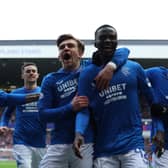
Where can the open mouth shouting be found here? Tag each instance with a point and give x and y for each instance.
(66, 56)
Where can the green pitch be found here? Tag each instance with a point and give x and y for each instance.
(7, 164)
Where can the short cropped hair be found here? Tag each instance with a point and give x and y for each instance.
(25, 64)
(64, 37)
(104, 26)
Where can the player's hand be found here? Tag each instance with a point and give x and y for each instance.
(104, 77)
(78, 142)
(158, 140)
(79, 102)
(3, 130)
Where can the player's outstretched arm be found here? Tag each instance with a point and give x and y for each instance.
(32, 97)
(9, 99)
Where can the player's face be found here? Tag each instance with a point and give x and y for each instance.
(69, 54)
(106, 40)
(30, 74)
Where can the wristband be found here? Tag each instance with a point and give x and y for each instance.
(113, 65)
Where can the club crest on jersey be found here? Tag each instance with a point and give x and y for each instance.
(93, 84)
(148, 82)
(41, 95)
(125, 71)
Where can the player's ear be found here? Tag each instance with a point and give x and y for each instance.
(80, 54)
(59, 57)
(95, 44)
(38, 75)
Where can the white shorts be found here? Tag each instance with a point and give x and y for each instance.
(161, 162)
(27, 156)
(133, 159)
(62, 156)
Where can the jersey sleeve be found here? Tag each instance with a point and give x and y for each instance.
(84, 89)
(145, 86)
(120, 56)
(150, 74)
(6, 115)
(11, 98)
(157, 125)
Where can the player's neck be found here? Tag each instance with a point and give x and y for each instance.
(30, 86)
(72, 67)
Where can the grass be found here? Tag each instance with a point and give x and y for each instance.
(7, 164)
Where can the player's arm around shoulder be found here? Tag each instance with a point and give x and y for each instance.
(105, 75)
